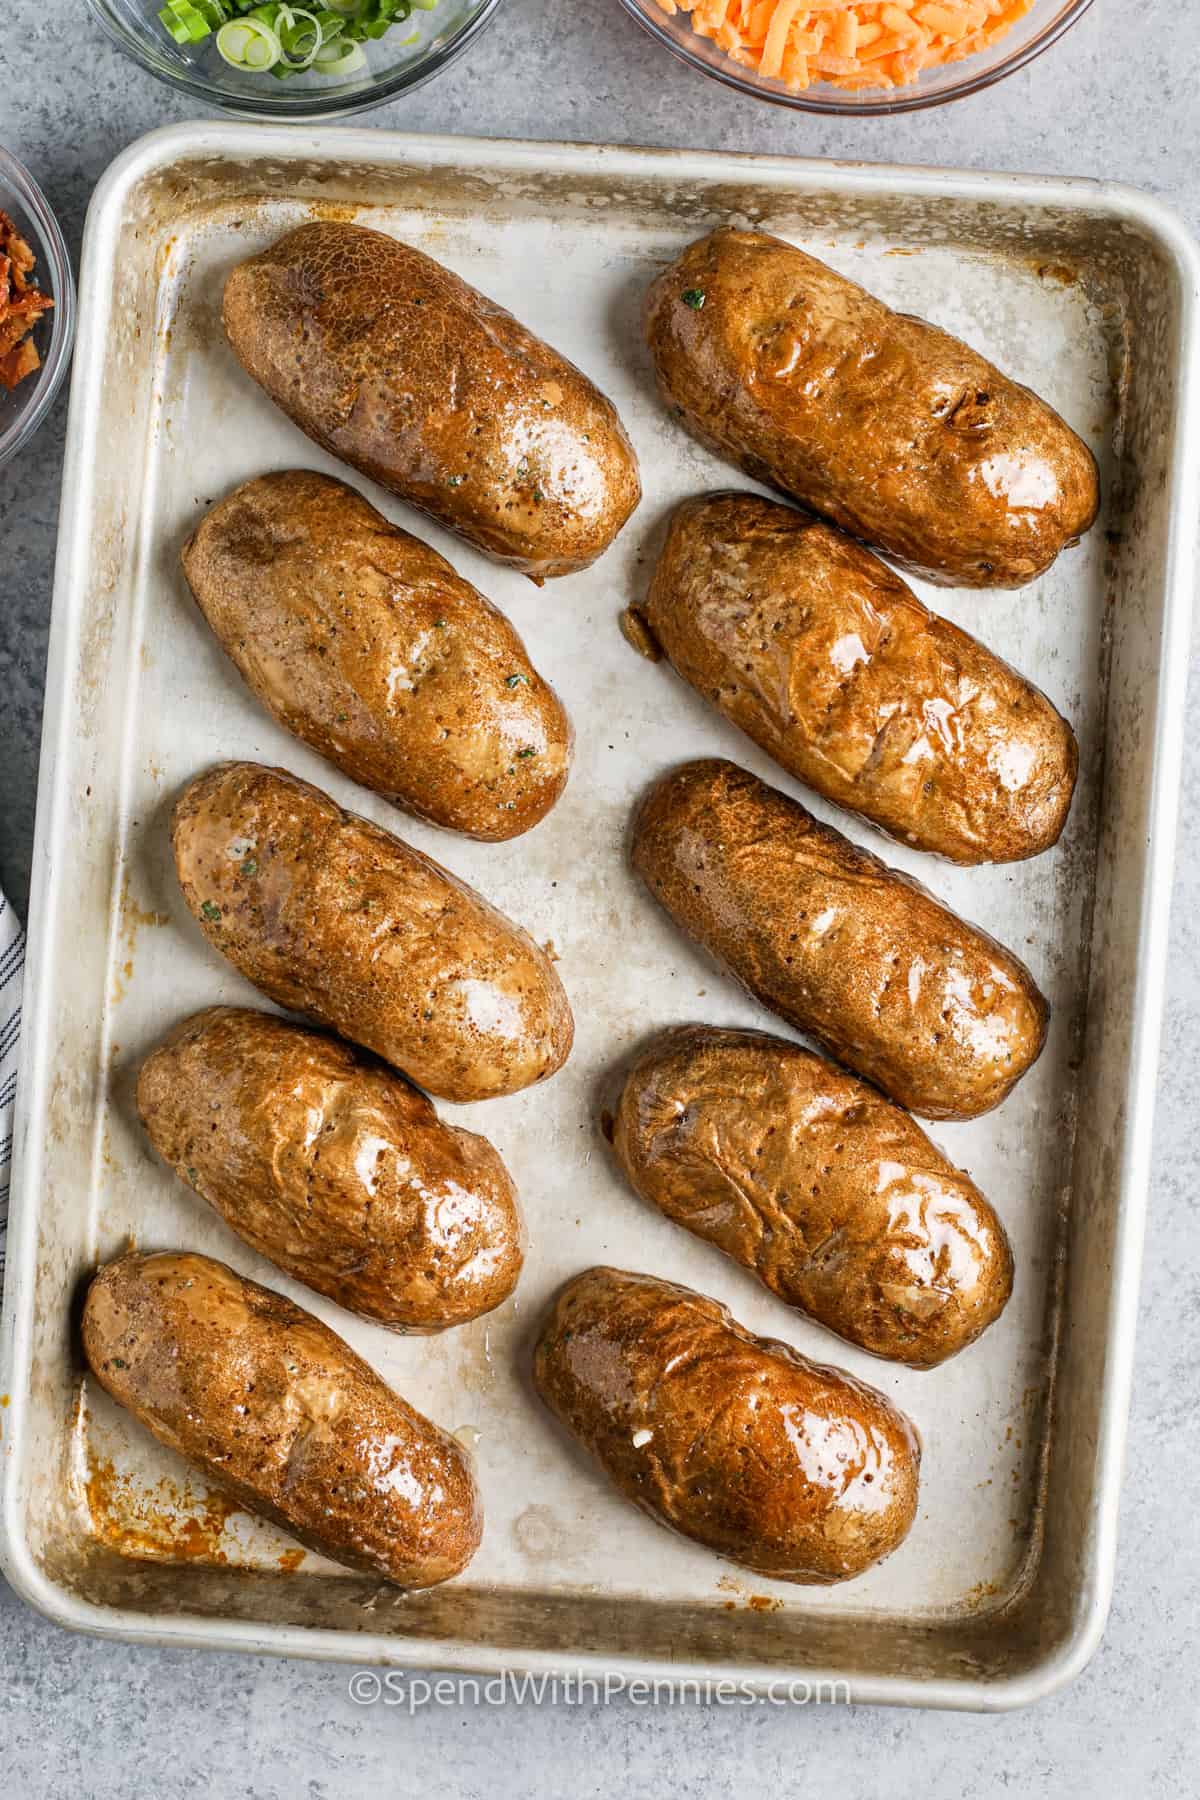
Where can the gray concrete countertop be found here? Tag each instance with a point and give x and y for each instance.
(100, 1719)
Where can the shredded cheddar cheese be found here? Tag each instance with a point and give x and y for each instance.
(849, 43)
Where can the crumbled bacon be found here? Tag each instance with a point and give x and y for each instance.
(21, 306)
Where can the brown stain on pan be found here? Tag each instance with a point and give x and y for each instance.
(164, 1523)
(976, 1598)
(759, 1603)
(134, 918)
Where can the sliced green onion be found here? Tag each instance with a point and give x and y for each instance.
(283, 38)
(179, 32)
(339, 61)
(185, 22)
(264, 52)
(233, 40)
(300, 42)
(249, 43)
(191, 16)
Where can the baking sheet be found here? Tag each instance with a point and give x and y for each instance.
(1000, 1589)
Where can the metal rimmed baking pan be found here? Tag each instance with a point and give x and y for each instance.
(1087, 292)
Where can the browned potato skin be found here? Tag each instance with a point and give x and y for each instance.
(366, 644)
(332, 917)
(788, 1467)
(393, 364)
(895, 430)
(335, 1168)
(834, 1197)
(889, 981)
(824, 657)
(282, 1414)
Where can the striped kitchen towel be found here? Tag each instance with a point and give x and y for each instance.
(12, 966)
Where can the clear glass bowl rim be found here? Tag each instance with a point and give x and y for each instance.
(52, 246)
(891, 100)
(297, 105)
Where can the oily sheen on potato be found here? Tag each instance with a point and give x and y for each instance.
(823, 656)
(335, 918)
(895, 430)
(392, 363)
(835, 1198)
(786, 1466)
(334, 1167)
(889, 981)
(367, 644)
(281, 1414)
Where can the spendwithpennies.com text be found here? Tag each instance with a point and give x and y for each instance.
(411, 1693)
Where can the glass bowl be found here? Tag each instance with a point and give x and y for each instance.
(392, 67)
(1042, 26)
(23, 408)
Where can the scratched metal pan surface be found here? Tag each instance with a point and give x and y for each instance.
(1086, 292)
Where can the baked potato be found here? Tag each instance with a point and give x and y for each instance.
(824, 657)
(335, 918)
(895, 430)
(888, 980)
(335, 1168)
(281, 1414)
(790, 1468)
(364, 642)
(393, 364)
(834, 1197)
